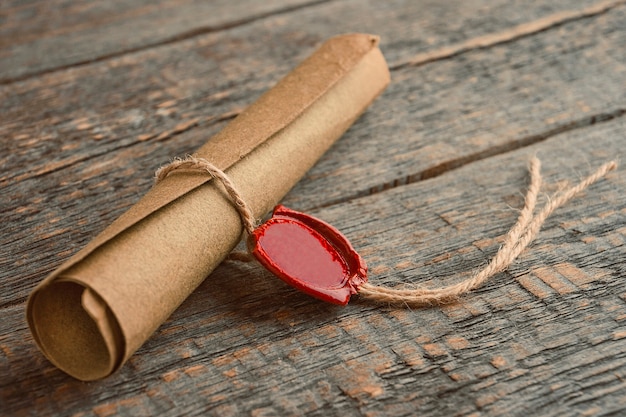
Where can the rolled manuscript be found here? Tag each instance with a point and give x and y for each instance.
(100, 306)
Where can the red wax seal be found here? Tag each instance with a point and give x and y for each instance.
(308, 254)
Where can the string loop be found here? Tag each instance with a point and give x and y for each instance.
(191, 163)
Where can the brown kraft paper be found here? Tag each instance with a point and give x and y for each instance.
(100, 306)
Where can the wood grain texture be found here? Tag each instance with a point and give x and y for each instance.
(424, 185)
(78, 33)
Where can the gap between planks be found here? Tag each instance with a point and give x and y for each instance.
(181, 128)
(167, 41)
(454, 164)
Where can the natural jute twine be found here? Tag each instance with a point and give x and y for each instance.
(523, 232)
(191, 163)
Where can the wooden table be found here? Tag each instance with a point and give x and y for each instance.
(94, 96)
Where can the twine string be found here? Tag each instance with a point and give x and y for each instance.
(519, 237)
(523, 232)
(191, 163)
(499, 263)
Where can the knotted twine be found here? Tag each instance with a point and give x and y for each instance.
(523, 232)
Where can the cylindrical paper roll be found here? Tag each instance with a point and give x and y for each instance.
(91, 314)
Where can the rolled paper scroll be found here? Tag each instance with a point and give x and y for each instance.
(90, 315)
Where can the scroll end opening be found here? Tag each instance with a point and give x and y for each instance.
(68, 333)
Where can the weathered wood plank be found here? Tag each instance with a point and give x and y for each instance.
(435, 117)
(82, 33)
(547, 337)
(95, 134)
(42, 36)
